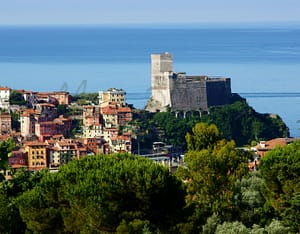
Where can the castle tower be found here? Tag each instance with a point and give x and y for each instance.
(161, 63)
(161, 69)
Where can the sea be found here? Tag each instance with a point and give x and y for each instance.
(263, 62)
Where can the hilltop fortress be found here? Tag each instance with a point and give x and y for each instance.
(181, 92)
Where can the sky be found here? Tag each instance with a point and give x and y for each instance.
(16, 12)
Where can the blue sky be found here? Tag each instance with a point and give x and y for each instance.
(147, 12)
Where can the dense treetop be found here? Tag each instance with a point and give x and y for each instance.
(238, 122)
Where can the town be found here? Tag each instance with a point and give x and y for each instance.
(48, 139)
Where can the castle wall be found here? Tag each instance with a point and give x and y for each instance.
(187, 95)
(218, 91)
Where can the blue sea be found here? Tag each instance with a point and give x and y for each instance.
(262, 62)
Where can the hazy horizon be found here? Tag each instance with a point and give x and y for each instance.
(64, 12)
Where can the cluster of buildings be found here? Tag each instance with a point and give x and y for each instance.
(46, 138)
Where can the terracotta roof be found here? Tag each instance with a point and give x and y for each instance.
(271, 144)
(33, 143)
(5, 88)
(124, 109)
(109, 112)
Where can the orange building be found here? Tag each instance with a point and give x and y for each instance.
(62, 97)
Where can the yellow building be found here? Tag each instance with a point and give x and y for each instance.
(37, 155)
(112, 96)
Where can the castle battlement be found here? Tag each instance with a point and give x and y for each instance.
(180, 91)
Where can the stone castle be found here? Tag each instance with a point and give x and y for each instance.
(181, 92)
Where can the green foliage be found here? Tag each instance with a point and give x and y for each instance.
(204, 136)
(16, 98)
(62, 109)
(232, 228)
(250, 201)
(144, 129)
(174, 129)
(276, 227)
(212, 176)
(238, 122)
(243, 124)
(21, 181)
(104, 194)
(5, 148)
(212, 167)
(15, 123)
(85, 98)
(10, 219)
(280, 169)
(211, 225)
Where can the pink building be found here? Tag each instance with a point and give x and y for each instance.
(45, 130)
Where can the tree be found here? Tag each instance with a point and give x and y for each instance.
(21, 181)
(250, 201)
(242, 123)
(16, 98)
(280, 170)
(232, 228)
(213, 173)
(5, 148)
(104, 194)
(203, 136)
(212, 167)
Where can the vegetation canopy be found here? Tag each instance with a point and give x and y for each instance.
(104, 193)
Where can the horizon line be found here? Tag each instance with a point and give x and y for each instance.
(256, 24)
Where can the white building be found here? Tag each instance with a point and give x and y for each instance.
(4, 97)
(27, 121)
